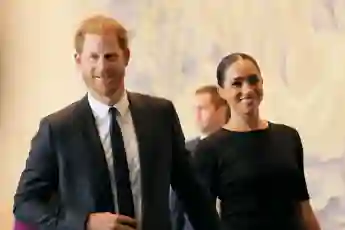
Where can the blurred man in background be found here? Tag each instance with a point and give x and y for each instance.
(211, 113)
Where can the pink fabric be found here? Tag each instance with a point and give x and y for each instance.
(18, 225)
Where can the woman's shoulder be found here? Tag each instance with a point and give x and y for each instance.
(284, 130)
(209, 148)
(214, 140)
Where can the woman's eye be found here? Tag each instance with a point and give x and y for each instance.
(237, 84)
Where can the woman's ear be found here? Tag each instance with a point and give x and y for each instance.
(221, 92)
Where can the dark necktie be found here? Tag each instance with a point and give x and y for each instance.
(123, 184)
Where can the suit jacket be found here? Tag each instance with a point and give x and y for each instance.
(22, 226)
(192, 144)
(66, 176)
(178, 216)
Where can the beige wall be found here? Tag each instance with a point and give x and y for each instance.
(176, 47)
(37, 77)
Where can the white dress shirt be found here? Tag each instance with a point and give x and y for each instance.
(102, 118)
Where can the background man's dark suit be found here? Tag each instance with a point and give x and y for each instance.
(192, 144)
(180, 220)
(212, 112)
(66, 176)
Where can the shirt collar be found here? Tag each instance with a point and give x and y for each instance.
(203, 136)
(101, 110)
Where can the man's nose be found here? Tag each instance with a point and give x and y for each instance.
(101, 64)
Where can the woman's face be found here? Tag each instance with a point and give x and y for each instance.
(242, 87)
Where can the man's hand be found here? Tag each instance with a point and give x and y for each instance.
(110, 221)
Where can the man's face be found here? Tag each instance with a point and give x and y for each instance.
(102, 63)
(208, 117)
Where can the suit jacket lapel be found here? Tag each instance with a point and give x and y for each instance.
(93, 154)
(140, 115)
(93, 151)
(142, 128)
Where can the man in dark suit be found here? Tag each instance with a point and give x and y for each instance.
(106, 162)
(212, 112)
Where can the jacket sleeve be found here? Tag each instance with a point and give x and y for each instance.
(37, 198)
(197, 201)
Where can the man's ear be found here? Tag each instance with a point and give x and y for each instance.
(77, 58)
(127, 55)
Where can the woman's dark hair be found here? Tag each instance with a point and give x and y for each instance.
(228, 60)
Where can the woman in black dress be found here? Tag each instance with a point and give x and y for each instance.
(255, 167)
